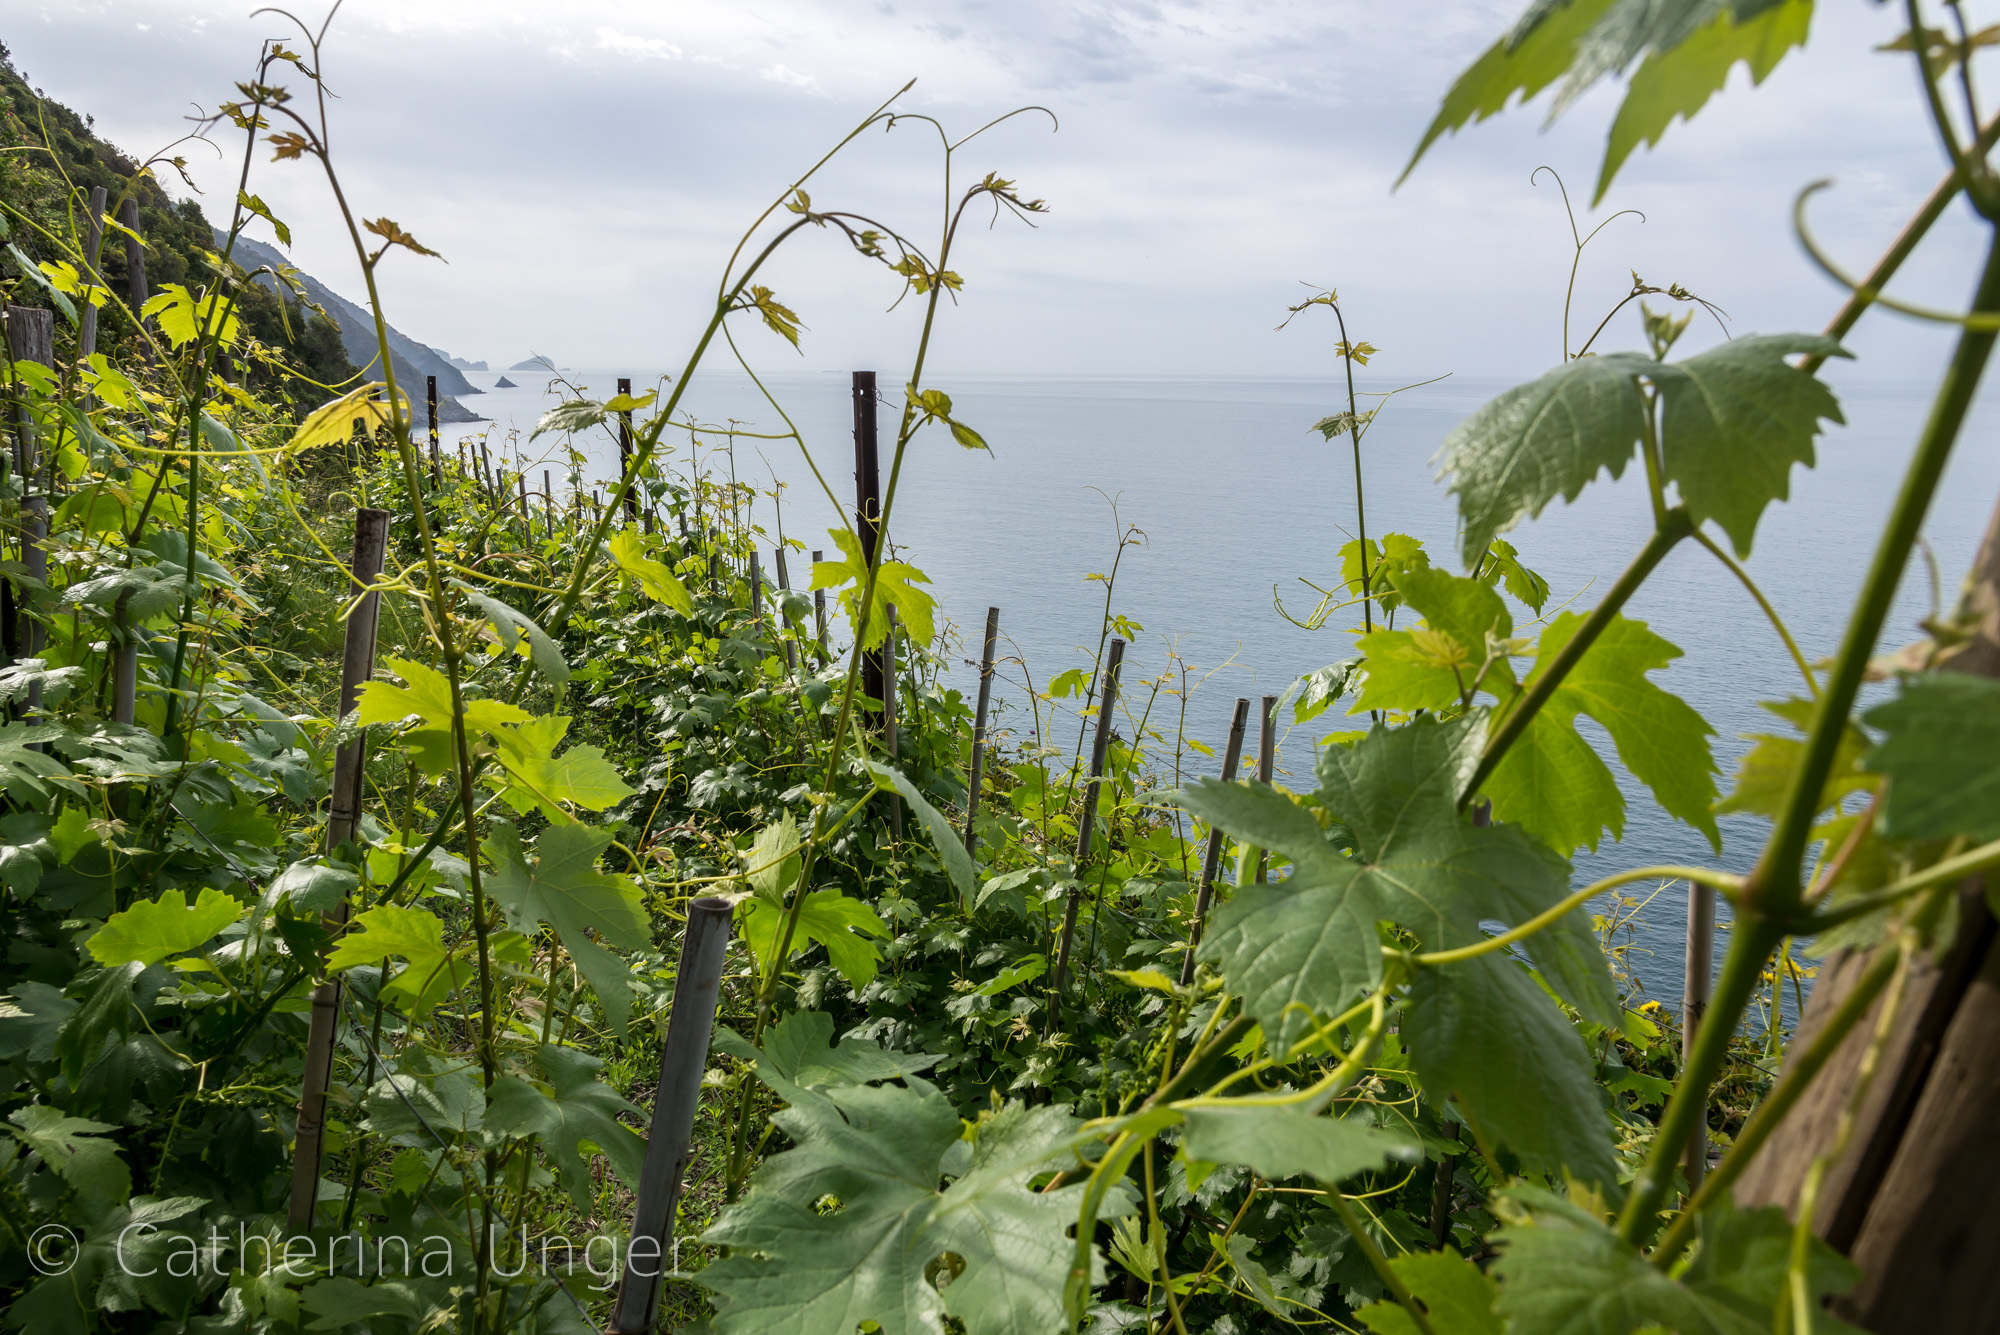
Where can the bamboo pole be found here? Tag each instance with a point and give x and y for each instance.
(371, 535)
(697, 990)
(1211, 858)
(977, 769)
(1107, 698)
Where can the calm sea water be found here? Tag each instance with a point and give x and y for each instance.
(1237, 500)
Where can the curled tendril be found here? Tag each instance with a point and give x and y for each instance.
(1867, 293)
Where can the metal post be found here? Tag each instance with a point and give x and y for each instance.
(1211, 858)
(1107, 697)
(625, 452)
(978, 766)
(371, 537)
(1267, 761)
(867, 508)
(697, 989)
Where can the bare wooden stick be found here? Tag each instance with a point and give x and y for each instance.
(697, 989)
(1211, 858)
(31, 337)
(86, 334)
(819, 612)
(890, 690)
(789, 634)
(1696, 984)
(978, 765)
(1267, 761)
(1107, 698)
(431, 410)
(371, 535)
(625, 450)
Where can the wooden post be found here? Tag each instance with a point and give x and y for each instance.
(371, 537)
(1211, 858)
(625, 452)
(977, 769)
(890, 690)
(86, 334)
(819, 612)
(697, 989)
(1696, 983)
(548, 503)
(1107, 697)
(31, 337)
(791, 624)
(756, 590)
(136, 291)
(431, 408)
(1267, 760)
(867, 508)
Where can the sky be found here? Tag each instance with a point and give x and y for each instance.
(585, 168)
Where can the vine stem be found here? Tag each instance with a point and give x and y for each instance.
(1775, 884)
(1360, 509)
(1722, 881)
(1393, 1281)
(1770, 613)
(1752, 942)
(1674, 526)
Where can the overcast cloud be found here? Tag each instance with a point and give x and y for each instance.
(585, 168)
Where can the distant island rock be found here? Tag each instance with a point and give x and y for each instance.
(504, 383)
(534, 364)
(465, 365)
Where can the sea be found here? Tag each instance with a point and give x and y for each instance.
(1221, 507)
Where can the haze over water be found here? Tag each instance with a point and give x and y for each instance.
(1236, 494)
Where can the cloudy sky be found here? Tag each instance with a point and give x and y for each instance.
(585, 168)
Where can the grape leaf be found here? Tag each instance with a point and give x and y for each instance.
(1541, 440)
(1735, 420)
(1678, 81)
(428, 698)
(151, 930)
(577, 1110)
(1941, 751)
(565, 890)
(332, 423)
(1764, 775)
(1310, 940)
(628, 549)
(947, 840)
(542, 781)
(1554, 785)
(430, 973)
(1281, 1142)
(879, 1152)
(74, 1148)
(895, 586)
(1503, 566)
(800, 1050)
(828, 917)
(1456, 1294)
(1564, 1273)
(1481, 1031)
(512, 625)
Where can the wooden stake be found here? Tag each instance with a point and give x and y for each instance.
(890, 690)
(86, 337)
(691, 1023)
(1696, 984)
(431, 408)
(867, 509)
(978, 766)
(756, 590)
(625, 452)
(371, 536)
(819, 613)
(1267, 759)
(31, 337)
(791, 627)
(1211, 858)
(1107, 697)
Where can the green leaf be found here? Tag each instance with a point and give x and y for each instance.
(880, 1152)
(346, 1304)
(1542, 440)
(431, 972)
(511, 626)
(1764, 775)
(1311, 694)
(1679, 81)
(799, 1050)
(542, 781)
(1310, 941)
(1282, 1142)
(1941, 752)
(105, 1014)
(428, 699)
(565, 890)
(628, 549)
(576, 1111)
(1021, 971)
(772, 861)
(1735, 419)
(76, 1149)
(1564, 1272)
(1483, 1032)
(151, 930)
(253, 204)
(570, 417)
(946, 839)
(1456, 1294)
(1503, 565)
(827, 917)
(895, 586)
(24, 769)
(1528, 59)
(1554, 785)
